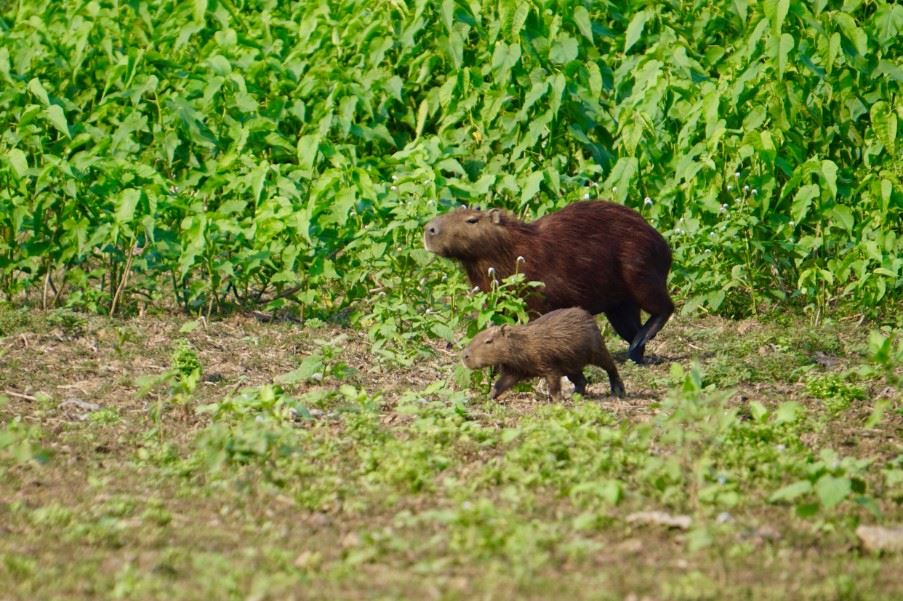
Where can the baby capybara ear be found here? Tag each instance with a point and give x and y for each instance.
(504, 331)
(496, 216)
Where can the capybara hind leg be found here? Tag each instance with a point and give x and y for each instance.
(506, 380)
(579, 382)
(605, 361)
(554, 382)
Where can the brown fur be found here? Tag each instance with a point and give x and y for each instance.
(560, 343)
(597, 255)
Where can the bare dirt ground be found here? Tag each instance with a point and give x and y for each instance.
(109, 493)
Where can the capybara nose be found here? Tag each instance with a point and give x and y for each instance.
(432, 230)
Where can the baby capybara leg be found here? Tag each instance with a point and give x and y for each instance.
(506, 380)
(579, 382)
(554, 382)
(605, 361)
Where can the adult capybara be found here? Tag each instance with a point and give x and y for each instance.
(560, 343)
(598, 255)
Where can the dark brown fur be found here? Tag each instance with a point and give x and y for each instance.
(597, 255)
(560, 343)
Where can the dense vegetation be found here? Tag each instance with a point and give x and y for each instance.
(220, 153)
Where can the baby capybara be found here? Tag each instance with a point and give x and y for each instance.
(598, 255)
(559, 343)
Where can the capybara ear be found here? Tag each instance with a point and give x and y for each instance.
(496, 216)
(503, 330)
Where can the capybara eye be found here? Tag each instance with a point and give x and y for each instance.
(473, 219)
(488, 341)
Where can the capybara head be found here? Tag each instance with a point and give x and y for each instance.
(489, 347)
(467, 233)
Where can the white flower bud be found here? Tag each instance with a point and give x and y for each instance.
(647, 201)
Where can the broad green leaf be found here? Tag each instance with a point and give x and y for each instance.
(126, 204)
(199, 8)
(595, 79)
(788, 412)
(776, 11)
(564, 50)
(842, 216)
(758, 411)
(583, 22)
(557, 88)
(852, 32)
(258, 177)
(791, 491)
(621, 177)
(58, 119)
(36, 88)
(308, 148)
(884, 122)
(831, 490)
(833, 50)
(219, 64)
(635, 29)
(802, 201)
(829, 172)
(422, 112)
(443, 331)
(888, 21)
(519, 18)
(18, 161)
(786, 45)
(448, 14)
(530, 187)
(504, 57)
(311, 368)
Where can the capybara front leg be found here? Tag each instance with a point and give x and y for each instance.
(647, 333)
(506, 380)
(625, 319)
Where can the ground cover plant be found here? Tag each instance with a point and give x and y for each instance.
(229, 368)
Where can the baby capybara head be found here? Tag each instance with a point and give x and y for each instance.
(466, 233)
(489, 347)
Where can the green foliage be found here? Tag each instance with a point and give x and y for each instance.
(184, 361)
(835, 390)
(223, 154)
(19, 443)
(829, 481)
